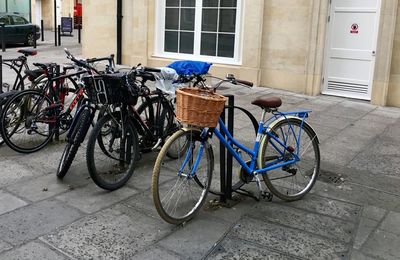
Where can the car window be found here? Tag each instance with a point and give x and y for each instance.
(5, 19)
(19, 20)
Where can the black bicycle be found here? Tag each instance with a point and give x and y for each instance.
(14, 77)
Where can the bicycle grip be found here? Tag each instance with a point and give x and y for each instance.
(244, 82)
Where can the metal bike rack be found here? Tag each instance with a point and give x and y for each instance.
(226, 158)
(1, 74)
(57, 130)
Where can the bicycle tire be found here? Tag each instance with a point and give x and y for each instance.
(275, 181)
(128, 150)
(200, 181)
(4, 119)
(78, 135)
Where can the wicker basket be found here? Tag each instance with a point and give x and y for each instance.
(199, 107)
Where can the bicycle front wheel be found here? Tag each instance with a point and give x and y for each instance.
(111, 152)
(293, 181)
(27, 121)
(180, 185)
(78, 134)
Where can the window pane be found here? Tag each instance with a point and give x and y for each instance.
(188, 3)
(172, 3)
(228, 3)
(226, 45)
(227, 20)
(5, 20)
(172, 18)
(18, 20)
(171, 42)
(209, 21)
(208, 44)
(186, 42)
(187, 19)
(210, 3)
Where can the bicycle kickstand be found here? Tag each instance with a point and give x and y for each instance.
(263, 194)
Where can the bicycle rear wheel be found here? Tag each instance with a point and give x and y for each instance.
(294, 181)
(111, 152)
(78, 134)
(159, 116)
(177, 195)
(27, 121)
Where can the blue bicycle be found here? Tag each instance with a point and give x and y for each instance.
(286, 154)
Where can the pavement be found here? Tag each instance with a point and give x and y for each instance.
(353, 212)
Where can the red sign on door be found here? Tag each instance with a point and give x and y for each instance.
(354, 28)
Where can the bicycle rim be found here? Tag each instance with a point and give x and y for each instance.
(295, 180)
(176, 195)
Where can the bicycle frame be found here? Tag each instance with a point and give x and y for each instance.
(17, 65)
(263, 128)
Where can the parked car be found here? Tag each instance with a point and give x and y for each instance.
(18, 29)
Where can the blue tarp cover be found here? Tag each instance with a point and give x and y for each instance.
(188, 67)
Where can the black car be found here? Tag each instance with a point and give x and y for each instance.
(18, 29)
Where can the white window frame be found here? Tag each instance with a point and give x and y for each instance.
(160, 37)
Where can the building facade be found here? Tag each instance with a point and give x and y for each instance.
(336, 47)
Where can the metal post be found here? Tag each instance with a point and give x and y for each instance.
(1, 74)
(59, 35)
(34, 37)
(3, 33)
(229, 158)
(42, 29)
(119, 31)
(79, 33)
(55, 23)
(222, 153)
(57, 74)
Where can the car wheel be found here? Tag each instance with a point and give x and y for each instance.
(30, 39)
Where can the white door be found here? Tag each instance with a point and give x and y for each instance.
(38, 5)
(350, 49)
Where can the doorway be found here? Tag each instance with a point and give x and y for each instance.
(350, 48)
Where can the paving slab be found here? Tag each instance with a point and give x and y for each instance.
(9, 202)
(91, 198)
(357, 255)
(381, 157)
(322, 225)
(11, 171)
(391, 223)
(351, 109)
(194, 239)
(32, 250)
(365, 228)
(373, 213)
(24, 224)
(116, 233)
(288, 240)
(329, 207)
(383, 245)
(46, 186)
(4, 246)
(156, 253)
(359, 194)
(234, 248)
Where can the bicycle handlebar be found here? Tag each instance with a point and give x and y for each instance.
(244, 82)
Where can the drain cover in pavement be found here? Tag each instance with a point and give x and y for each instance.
(330, 177)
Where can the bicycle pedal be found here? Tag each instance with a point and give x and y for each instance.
(266, 195)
